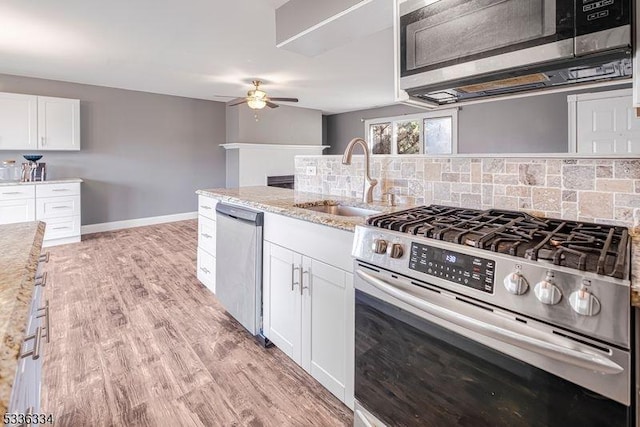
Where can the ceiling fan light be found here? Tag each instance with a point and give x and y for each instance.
(256, 103)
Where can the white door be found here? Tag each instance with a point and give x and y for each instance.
(327, 327)
(282, 299)
(607, 125)
(18, 121)
(20, 210)
(58, 123)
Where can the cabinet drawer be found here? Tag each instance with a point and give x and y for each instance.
(12, 211)
(17, 192)
(207, 207)
(207, 234)
(207, 269)
(55, 190)
(57, 207)
(58, 228)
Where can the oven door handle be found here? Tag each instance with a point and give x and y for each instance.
(591, 361)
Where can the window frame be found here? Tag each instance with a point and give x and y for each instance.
(420, 117)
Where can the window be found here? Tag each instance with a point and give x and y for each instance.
(434, 132)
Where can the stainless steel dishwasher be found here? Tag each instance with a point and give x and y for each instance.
(239, 265)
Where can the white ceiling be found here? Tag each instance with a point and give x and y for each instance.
(197, 48)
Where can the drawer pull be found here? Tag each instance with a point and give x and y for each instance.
(44, 257)
(57, 190)
(47, 324)
(61, 207)
(206, 236)
(41, 280)
(205, 207)
(10, 193)
(37, 340)
(61, 228)
(206, 271)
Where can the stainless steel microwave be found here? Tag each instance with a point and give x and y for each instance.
(451, 50)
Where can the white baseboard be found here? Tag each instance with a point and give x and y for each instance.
(139, 222)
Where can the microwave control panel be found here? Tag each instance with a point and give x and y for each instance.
(593, 16)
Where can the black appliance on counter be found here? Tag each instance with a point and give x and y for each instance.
(492, 318)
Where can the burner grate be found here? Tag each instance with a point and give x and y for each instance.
(597, 248)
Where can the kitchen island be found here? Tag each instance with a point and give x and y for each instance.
(20, 246)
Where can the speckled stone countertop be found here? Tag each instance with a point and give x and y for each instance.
(20, 246)
(53, 181)
(283, 201)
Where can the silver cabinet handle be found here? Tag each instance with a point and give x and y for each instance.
(302, 286)
(295, 268)
(206, 236)
(61, 207)
(44, 257)
(61, 228)
(41, 280)
(591, 361)
(205, 207)
(57, 190)
(37, 340)
(10, 193)
(42, 140)
(205, 270)
(47, 322)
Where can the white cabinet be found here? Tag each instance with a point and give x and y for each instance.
(18, 121)
(206, 264)
(58, 123)
(56, 204)
(29, 122)
(308, 299)
(636, 64)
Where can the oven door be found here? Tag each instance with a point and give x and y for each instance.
(451, 39)
(428, 358)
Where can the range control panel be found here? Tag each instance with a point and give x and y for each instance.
(466, 270)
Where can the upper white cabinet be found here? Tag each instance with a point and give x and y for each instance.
(41, 123)
(18, 121)
(58, 123)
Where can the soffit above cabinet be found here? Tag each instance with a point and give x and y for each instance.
(311, 27)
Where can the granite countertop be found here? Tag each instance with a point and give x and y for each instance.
(20, 246)
(53, 181)
(282, 201)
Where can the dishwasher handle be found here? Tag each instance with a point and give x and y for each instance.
(241, 213)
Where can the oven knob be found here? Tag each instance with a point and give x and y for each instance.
(584, 302)
(379, 246)
(395, 250)
(547, 292)
(516, 284)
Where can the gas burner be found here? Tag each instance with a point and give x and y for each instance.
(597, 248)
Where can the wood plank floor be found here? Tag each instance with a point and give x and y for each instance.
(137, 340)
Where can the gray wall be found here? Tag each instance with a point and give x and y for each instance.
(282, 125)
(525, 125)
(142, 154)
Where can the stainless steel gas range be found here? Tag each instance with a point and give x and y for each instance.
(492, 318)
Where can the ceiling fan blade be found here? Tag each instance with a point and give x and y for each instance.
(236, 101)
(272, 104)
(284, 99)
(224, 96)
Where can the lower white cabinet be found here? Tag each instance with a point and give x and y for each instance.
(206, 264)
(56, 204)
(308, 304)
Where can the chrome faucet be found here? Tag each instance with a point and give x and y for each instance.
(369, 182)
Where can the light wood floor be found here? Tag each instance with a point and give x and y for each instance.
(137, 340)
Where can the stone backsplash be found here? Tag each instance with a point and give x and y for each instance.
(593, 190)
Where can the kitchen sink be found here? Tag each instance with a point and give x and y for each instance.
(340, 210)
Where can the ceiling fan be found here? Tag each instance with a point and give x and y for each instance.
(257, 99)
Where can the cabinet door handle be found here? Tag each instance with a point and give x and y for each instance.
(293, 276)
(205, 207)
(41, 280)
(44, 257)
(205, 270)
(10, 193)
(206, 236)
(57, 190)
(302, 286)
(61, 228)
(37, 340)
(61, 207)
(47, 322)
(42, 141)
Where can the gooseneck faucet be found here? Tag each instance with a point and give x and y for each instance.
(369, 182)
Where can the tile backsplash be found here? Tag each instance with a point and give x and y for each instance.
(594, 190)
